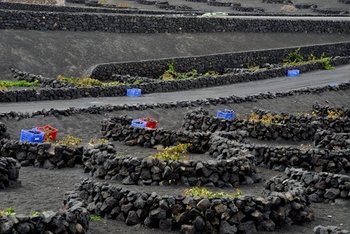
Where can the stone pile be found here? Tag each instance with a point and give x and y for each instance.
(151, 171)
(192, 215)
(9, 173)
(329, 229)
(293, 127)
(319, 187)
(280, 157)
(332, 141)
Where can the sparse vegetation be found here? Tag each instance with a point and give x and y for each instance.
(86, 82)
(7, 212)
(95, 218)
(172, 74)
(35, 213)
(98, 141)
(173, 153)
(5, 84)
(205, 193)
(333, 114)
(69, 141)
(295, 58)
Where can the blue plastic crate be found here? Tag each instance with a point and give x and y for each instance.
(32, 135)
(133, 92)
(137, 123)
(293, 73)
(226, 114)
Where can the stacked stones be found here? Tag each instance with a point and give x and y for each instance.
(44, 82)
(227, 215)
(289, 131)
(72, 219)
(132, 79)
(319, 187)
(329, 230)
(9, 173)
(3, 131)
(150, 171)
(118, 128)
(280, 157)
(218, 3)
(182, 104)
(293, 127)
(331, 141)
(44, 155)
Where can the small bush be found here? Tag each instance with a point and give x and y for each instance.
(294, 57)
(173, 153)
(333, 114)
(7, 212)
(86, 82)
(5, 84)
(35, 213)
(205, 193)
(98, 141)
(70, 141)
(95, 218)
(172, 74)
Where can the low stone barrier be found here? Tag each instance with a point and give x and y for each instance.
(330, 140)
(9, 173)
(151, 171)
(44, 155)
(52, 89)
(181, 104)
(73, 218)
(324, 110)
(319, 187)
(329, 229)
(279, 157)
(219, 62)
(294, 128)
(3, 131)
(225, 215)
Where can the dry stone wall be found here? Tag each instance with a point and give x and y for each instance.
(319, 187)
(9, 173)
(151, 171)
(225, 215)
(73, 218)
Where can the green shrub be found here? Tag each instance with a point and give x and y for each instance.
(7, 212)
(172, 74)
(86, 82)
(5, 84)
(205, 193)
(95, 218)
(294, 57)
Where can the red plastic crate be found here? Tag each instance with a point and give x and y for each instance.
(150, 122)
(50, 132)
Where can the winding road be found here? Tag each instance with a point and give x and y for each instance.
(312, 79)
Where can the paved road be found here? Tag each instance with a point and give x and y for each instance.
(312, 79)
